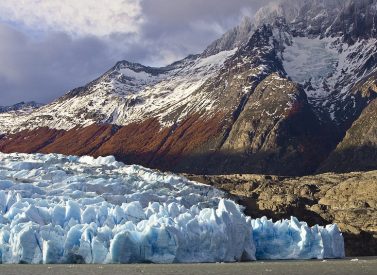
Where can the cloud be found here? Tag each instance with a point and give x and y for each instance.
(50, 46)
(186, 27)
(44, 70)
(75, 17)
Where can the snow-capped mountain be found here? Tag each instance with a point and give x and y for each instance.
(276, 94)
(130, 93)
(24, 107)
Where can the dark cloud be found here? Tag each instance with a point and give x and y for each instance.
(44, 67)
(173, 13)
(188, 26)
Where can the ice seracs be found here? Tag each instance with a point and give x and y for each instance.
(65, 209)
(291, 239)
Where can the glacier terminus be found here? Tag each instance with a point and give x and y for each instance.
(68, 209)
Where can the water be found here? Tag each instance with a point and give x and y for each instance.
(361, 266)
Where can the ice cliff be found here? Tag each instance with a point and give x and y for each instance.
(65, 209)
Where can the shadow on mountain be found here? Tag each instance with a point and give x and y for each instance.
(360, 158)
(217, 163)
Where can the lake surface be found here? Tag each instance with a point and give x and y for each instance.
(361, 266)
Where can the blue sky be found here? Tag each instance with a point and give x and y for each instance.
(49, 47)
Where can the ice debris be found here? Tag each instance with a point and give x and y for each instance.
(66, 209)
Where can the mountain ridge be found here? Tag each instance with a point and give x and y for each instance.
(276, 94)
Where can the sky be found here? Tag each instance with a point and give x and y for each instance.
(51, 46)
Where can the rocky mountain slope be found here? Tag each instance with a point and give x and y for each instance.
(346, 199)
(275, 95)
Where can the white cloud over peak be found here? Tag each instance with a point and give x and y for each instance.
(77, 17)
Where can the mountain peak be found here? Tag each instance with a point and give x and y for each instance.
(233, 38)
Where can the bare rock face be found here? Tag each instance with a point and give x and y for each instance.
(346, 199)
(276, 130)
(357, 20)
(358, 149)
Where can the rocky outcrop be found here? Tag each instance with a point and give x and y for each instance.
(346, 199)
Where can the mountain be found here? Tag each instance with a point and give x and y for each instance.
(285, 93)
(358, 146)
(21, 107)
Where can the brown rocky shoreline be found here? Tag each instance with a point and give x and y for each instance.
(350, 200)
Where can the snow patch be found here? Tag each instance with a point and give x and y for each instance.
(141, 75)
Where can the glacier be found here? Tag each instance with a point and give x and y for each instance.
(314, 61)
(69, 209)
